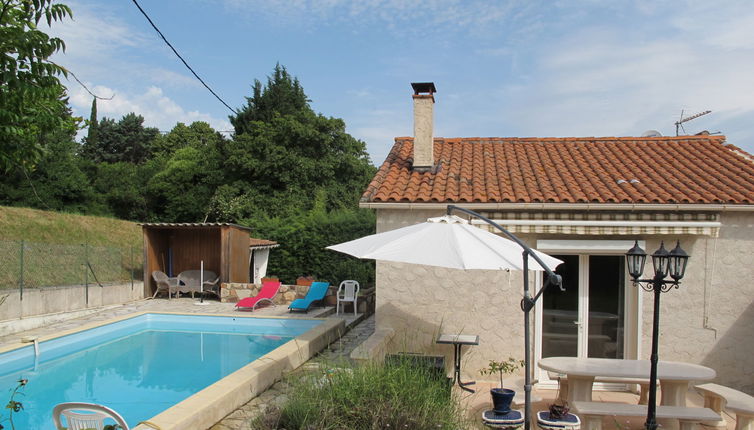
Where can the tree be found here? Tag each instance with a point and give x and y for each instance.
(31, 96)
(91, 135)
(283, 153)
(295, 176)
(124, 141)
(122, 188)
(199, 135)
(283, 95)
(191, 159)
(303, 239)
(57, 183)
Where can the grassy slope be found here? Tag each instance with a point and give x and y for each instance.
(54, 254)
(53, 227)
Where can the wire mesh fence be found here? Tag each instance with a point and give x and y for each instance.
(34, 265)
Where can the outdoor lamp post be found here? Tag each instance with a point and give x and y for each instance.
(664, 263)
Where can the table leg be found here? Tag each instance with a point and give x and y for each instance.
(673, 393)
(457, 370)
(580, 388)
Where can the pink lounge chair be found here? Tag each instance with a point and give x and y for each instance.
(268, 291)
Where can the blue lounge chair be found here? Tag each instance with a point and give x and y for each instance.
(316, 293)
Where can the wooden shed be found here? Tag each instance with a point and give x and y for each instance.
(175, 247)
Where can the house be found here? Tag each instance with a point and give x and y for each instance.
(585, 201)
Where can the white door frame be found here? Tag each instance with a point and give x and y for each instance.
(632, 298)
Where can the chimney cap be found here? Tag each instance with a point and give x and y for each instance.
(423, 87)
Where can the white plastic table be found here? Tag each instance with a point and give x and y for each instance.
(674, 377)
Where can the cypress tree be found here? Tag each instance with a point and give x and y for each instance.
(91, 136)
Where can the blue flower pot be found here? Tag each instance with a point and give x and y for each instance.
(501, 399)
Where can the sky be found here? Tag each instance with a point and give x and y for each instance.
(501, 68)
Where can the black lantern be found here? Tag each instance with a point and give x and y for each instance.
(660, 260)
(677, 262)
(635, 259)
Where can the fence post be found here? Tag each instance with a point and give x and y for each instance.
(21, 274)
(131, 263)
(86, 272)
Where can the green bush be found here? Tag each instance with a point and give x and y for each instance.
(401, 396)
(303, 239)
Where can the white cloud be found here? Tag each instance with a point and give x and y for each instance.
(157, 109)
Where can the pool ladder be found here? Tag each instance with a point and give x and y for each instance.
(30, 339)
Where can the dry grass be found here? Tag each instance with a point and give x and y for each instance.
(58, 246)
(61, 228)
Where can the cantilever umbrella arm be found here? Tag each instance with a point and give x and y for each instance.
(552, 277)
(527, 303)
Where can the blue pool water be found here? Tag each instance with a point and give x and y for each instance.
(139, 366)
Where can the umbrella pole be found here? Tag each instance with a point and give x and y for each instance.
(527, 352)
(527, 303)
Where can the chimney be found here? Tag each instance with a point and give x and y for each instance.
(424, 101)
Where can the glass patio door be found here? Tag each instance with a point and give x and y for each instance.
(588, 319)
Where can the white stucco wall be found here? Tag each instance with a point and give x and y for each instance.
(709, 320)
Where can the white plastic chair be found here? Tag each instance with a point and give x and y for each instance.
(93, 417)
(348, 291)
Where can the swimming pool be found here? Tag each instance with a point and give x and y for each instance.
(139, 366)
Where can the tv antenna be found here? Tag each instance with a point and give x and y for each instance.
(680, 122)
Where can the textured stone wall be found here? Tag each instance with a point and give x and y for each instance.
(709, 320)
(232, 292)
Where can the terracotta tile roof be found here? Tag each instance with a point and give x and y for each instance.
(686, 169)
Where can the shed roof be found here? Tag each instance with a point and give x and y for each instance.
(191, 225)
(262, 243)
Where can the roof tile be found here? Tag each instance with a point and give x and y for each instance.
(687, 169)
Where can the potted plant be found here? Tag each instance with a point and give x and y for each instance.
(502, 397)
(559, 409)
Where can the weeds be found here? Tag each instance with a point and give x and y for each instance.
(13, 405)
(400, 396)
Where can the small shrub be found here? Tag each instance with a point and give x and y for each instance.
(401, 396)
(502, 368)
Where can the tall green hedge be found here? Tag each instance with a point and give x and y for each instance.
(303, 239)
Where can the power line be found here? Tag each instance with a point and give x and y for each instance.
(181, 58)
(87, 89)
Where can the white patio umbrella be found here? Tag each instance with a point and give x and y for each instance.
(452, 242)
(446, 241)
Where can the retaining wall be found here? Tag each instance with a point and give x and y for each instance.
(41, 302)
